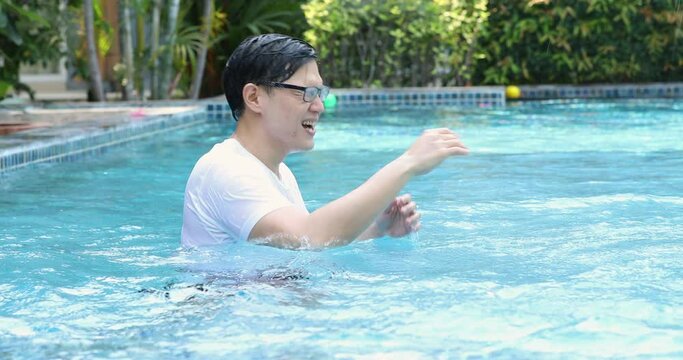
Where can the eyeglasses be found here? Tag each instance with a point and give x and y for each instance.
(309, 92)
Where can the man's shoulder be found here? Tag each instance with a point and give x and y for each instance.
(226, 166)
(223, 149)
(226, 156)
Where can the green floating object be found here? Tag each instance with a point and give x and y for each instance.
(330, 101)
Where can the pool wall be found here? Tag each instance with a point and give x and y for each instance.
(482, 96)
(602, 91)
(476, 96)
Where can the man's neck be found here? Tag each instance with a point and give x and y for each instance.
(256, 141)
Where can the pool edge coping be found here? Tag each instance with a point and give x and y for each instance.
(72, 147)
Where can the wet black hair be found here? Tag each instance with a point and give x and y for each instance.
(262, 59)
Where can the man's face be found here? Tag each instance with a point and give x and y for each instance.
(289, 120)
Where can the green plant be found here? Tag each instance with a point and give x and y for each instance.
(582, 41)
(29, 34)
(244, 18)
(253, 17)
(188, 45)
(396, 42)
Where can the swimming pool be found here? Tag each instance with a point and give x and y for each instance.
(559, 236)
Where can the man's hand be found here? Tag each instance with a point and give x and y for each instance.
(399, 219)
(432, 148)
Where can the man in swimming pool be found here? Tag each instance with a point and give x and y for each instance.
(242, 190)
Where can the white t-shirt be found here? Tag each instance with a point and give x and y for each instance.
(229, 191)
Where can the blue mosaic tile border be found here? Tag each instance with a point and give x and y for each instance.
(627, 91)
(218, 111)
(77, 147)
(479, 96)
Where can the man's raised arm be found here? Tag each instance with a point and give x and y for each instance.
(343, 220)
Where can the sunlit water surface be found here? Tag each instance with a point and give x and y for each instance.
(560, 236)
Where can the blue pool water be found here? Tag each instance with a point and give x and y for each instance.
(560, 236)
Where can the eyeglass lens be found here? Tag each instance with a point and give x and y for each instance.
(312, 92)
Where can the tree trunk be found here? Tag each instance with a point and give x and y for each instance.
(154, 56)
(166, 59)
(140, 66)
(126, 43)
(93, 63)
(201, 61)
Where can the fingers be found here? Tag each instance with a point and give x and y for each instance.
(408, 209)
(410, 212)
(451, 140)
(455, 147)
(440, 131)
(403, 199)
(396, 204)
(413, 222)
(443, 133)
(455, 143)
(405, 204)
(414, 218)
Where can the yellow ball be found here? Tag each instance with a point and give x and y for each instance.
(513, 92)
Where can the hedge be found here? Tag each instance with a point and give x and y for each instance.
(366, 43)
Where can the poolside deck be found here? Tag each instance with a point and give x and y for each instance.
(23, 127)
(31, 134)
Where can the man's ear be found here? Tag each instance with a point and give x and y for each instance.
(251, 93)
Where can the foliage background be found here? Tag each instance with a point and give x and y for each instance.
(26, 37)
(375, 43)
(459, 42)
(246, 18)
(395, 42)
(582, 41)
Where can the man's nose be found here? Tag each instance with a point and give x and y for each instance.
(317, 105)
